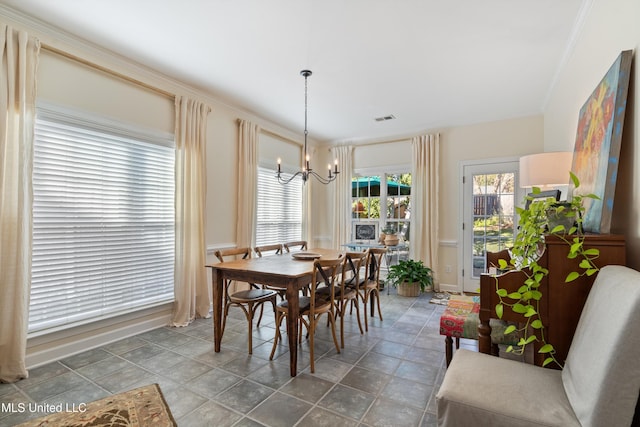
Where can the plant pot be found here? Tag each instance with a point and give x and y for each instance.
(391, 240)
(406, 289)
(561, 218)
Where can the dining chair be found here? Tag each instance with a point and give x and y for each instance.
(347, 294)
(268, 250)
(274, 249)
(370, 288)
(300, 245)
(314, 305)
(248, 300)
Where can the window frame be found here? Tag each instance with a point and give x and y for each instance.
(139, 230)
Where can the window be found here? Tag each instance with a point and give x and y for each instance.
(103, 219)
(388, 205)
(279, 208)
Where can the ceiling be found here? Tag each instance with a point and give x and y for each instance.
(430, 63)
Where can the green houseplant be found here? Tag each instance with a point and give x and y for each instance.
(410, 277)
(536, 221)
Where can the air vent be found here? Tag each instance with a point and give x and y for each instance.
(385, 118)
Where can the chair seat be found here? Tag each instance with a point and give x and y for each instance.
(483, 390)
(349, 293)
(322, 300)
(252, 295)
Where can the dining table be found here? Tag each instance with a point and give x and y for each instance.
(290, 271)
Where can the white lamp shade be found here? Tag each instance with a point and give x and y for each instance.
(545, 169)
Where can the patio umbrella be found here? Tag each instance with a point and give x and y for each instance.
(366, 187)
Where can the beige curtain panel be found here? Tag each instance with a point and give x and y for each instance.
(192, 293)
(248, 134)
(342, 196)
(17, 105)
(425, 200)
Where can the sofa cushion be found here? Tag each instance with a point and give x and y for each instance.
(483, 390)
(601, 375)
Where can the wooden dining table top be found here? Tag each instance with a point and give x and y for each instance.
(278, 265)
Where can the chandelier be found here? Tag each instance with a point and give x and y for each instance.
(306, 171)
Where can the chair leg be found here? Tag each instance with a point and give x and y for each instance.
(357, 314)
(365, 301)
(250, 321)
(377, 293)
(343, 308)
(260, 317)
(279, 317)
(333, 332)
(448, 346)
(312, 330)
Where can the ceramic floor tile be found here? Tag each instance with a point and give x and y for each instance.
(319, 417)
(123, 379)
(54, 386)
(280, 410)
(408, 392)
(307, 387)
(367, 380)
(210, 414)
(85, 358)
(124, 345)
(384, 413)
(347, 401)
(213, 383)
(244, 396)
(104, 367)
(400, 356)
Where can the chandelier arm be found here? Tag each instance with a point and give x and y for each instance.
(322, 179)
(286, 181)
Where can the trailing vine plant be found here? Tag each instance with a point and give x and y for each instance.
(528, 245)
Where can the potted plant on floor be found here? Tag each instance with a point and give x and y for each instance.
(410, 277)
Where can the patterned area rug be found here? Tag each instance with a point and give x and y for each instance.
(144, 406)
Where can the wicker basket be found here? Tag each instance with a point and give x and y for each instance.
(409, 289)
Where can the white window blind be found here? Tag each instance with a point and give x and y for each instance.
(279, 208)
(103, 220)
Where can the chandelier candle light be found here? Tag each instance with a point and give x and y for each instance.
(306, 171)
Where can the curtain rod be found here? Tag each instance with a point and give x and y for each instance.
(107, 70)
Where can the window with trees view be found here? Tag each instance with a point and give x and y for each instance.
(493, 216)
(383, 200)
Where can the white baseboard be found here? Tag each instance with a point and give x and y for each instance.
(59, 345)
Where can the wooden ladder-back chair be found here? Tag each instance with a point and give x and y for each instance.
(300, 245)
(347, 293)
(247, 300)
(269, 250)
(276, 249)
(315, 305)
(370, 288)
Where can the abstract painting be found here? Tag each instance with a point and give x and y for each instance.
(597, 148)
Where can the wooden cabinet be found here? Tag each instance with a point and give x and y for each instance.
(561, 304)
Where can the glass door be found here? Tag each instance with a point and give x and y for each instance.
(489, 215)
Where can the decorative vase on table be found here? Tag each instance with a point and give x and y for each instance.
(391, 239)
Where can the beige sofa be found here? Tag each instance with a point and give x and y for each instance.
(599, 385)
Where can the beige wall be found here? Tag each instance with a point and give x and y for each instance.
(609, 27)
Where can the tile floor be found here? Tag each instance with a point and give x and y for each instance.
(387, 377)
